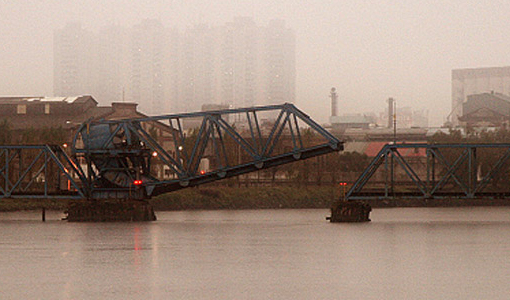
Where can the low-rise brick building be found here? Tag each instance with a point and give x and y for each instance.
(66, 113)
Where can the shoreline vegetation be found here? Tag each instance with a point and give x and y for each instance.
(280, 197)
(209, 198)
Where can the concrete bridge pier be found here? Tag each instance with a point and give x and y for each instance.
(350, 211)
(110, 211)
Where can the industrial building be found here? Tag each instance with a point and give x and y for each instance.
(467, 82)
(485, 110)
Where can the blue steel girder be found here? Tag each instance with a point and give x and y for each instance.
(452, 171)
(37, 171)
(233, 141)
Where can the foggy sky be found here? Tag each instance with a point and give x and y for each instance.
(368, 50)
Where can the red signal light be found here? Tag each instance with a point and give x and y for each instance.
(137, 182)
(202, 172)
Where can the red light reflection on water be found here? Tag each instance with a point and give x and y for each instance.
(137, 246)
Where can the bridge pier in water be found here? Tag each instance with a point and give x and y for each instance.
(110, 211)
(350, 211)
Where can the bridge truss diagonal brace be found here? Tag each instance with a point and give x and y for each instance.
(34, 161)
(172, 163)
(494, 170)
(4, 171)
(451, 169)
(461, 171)
(409, 171)
(369, 171)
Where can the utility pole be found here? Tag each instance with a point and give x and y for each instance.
(392, 107)
(394, 122)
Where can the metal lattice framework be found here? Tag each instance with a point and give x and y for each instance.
(122, 159)
(442, 171)
(120, 153)
(39, 172)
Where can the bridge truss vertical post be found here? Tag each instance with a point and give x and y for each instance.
(386, 175)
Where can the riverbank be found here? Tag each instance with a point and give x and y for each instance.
(7, 205)
(246, 198)
(212, 197)
(453, 202)
(289, 197)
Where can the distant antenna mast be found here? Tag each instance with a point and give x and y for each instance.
(394, 122)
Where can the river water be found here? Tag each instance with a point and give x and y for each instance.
(404, 253)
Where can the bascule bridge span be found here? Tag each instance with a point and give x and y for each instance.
(136, 159)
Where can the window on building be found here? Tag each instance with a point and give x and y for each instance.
(22, 109)
(47, 108)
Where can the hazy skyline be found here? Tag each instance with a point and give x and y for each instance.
(368, 50)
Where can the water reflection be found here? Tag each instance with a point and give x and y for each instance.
(403, 254)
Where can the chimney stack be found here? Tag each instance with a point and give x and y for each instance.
(334, 102)
(391, 105)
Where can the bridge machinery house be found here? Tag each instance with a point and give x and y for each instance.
(67, 114)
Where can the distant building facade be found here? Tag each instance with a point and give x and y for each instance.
(65, 113)
(74, 61)
(164, 70)
(406, 118)
(341, 123)
(467, 82)
(148, 67)
(485, 110)
(85, 63)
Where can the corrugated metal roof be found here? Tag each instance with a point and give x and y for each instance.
(18, 99)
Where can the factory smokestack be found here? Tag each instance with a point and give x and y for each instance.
(391, 112)
(334, 102)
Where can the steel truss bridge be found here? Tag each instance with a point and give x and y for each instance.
(435, 171)
(140, 158)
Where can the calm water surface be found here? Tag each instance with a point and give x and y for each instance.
(410, 253)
